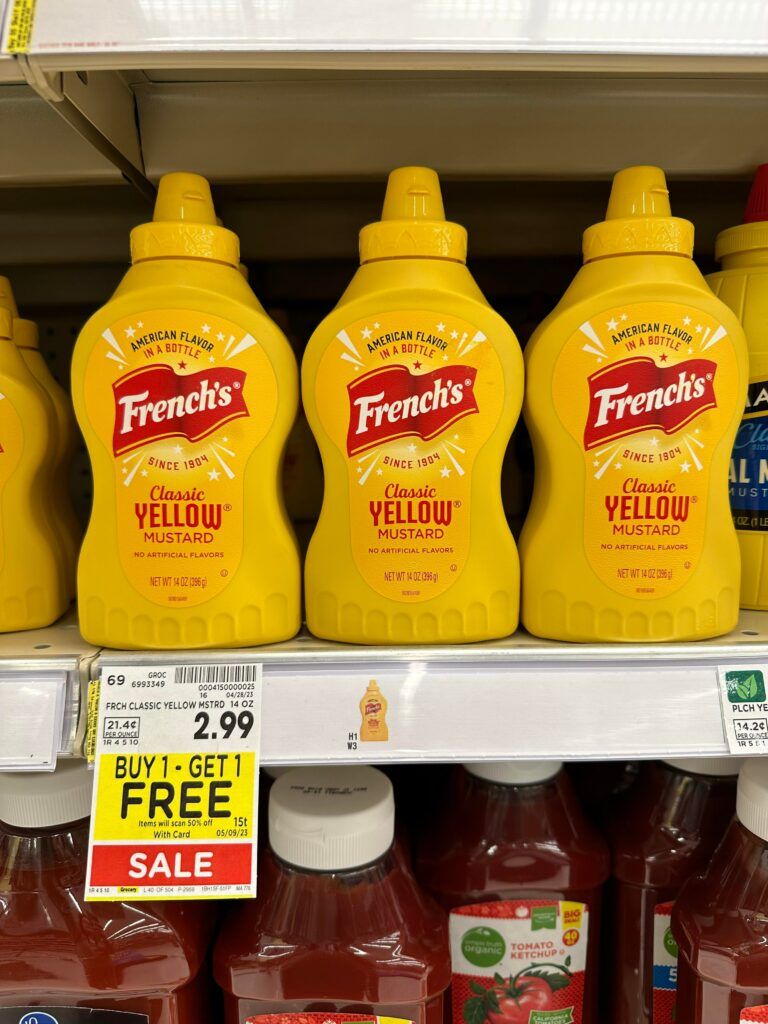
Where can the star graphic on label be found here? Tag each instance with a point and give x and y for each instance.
(411, 448)
(663, 357)
(214, 474)
(441, 326)
(377, 325)
(690, 351)
(178, 449)
(686, 320)
(617, 465)
(596, 462)
(696, 431)
(366, 333)
(417, 365)
(699, 328)
(140, 323)
(182, 365)
(455, 437)
(623, 317)
(379, 472)
(220, 336)
(129, 332)
(206, 328)
(225, 440)
(685, 467)
(454, 335)
(144, 472)
(445, 472)
(125, 471)
(654, 442)
(211, 359)
(445, 359)
(612, 324)
(359, 469)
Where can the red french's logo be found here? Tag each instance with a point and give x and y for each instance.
(392, 402)
(154, 402)
(635, 394)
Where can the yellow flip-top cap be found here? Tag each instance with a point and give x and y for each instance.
(639, 219)
(25, 333)
(8, 309)
(413, 221)
(184, 225)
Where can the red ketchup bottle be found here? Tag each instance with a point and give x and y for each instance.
(65, 961)
(340, 926)
(521, 869)
(720, 920)
(665, 830)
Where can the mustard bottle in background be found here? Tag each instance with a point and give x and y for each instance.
(635, 387)
(185, 392)
(742, 284)
(67, 524)
(412, 386)
(373, 708)
(33, 591)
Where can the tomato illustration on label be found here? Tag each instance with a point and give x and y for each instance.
(418, 394)
(193, 395)
(637, 388)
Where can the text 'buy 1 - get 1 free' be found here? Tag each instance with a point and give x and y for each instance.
(635, 387)
(412, 386)
(185, 391)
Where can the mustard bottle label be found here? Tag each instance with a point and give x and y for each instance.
(409, 398)
(180, 399)
(748, 475)
(646, 391)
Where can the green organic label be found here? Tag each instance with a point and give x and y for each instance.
(551, 1016)
(744, 686)
(669, 943)
(483, 947)
(543, 917)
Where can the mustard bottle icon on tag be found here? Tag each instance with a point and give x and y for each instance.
(373, 708)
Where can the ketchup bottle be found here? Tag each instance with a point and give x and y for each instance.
(521, 869)
(665, 830)
(720, 920)
(340, 924)
(65, 961)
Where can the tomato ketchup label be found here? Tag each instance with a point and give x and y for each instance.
(68, 1015)
(664, 965)
(180, 400)
(638, 388)
(322, 1018)
(519, 962)
(748, 476)
(409, 398)
(754, 1015)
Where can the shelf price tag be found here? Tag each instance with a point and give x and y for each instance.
(744, 703)
(175, 792)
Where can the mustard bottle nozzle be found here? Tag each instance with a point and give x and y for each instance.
(185, 197)
(7, 300)
(413, 193)
(639, 192)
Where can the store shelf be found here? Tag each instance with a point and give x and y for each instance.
(208, 31)
(43, 681)
(520, 698)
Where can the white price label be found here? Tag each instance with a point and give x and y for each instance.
(744, 703)
(175, 794)
(31, 720)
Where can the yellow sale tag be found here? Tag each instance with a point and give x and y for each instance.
(21, 21)
(175, 796)
(176, 787)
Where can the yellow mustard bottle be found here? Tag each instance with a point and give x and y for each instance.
(635, 386)
(64, 440)
(185, 391)
(33, 591)
(373, 709)
(742, 284)
(412, 386)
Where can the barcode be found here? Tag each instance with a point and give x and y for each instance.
(195, 674)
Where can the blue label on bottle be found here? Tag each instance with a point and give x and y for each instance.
(748, 478)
